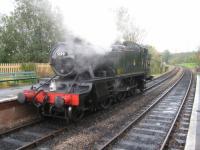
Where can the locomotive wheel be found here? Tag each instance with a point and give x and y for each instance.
(75, 114)
(141, 90)
(41, 113)
(132, 92)
(121, 96)
(106, 103)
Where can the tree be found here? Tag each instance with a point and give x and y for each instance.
(126, 27)
(166, 56)
(198, 56)
(156, 63)
(30, 31)
(184, 57)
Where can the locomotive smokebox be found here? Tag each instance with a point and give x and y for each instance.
(62, 60)
(67, 60)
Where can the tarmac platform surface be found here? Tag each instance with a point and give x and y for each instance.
(193, 137)
(9, 94)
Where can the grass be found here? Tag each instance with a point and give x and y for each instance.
(188, 65)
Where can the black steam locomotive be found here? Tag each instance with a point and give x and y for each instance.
(89, 82)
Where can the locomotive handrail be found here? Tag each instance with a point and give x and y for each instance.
(46, 82)
(114, 77)
(75, 79)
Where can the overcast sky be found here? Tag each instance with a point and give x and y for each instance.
(168, 24)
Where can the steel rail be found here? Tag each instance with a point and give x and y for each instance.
(176, 117)
(164, 74)
(57, 131)
(47, 136)
(20, 127)
(150, 87)
(158, 99)
(41, 139)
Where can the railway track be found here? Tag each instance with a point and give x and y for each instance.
(161, 79)
(152, 127)
(30, 135)
(178, 137)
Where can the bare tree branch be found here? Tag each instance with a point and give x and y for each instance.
(126, 26)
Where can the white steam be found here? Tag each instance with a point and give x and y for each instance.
(91, 21)
(85, 54)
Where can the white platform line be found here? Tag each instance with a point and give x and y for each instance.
(8, 99)
(191, 137)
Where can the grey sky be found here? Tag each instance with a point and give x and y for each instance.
(168, 24)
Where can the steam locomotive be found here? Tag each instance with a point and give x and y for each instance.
(89, 81)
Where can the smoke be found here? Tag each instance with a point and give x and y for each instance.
(93, 21)
(91, 31)
(84, 53)
(79, 46)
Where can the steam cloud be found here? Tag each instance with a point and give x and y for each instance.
(86, 54)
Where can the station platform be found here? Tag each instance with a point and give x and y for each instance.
(10, 94)
(193, 137)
